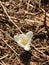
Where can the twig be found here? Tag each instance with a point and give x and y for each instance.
(3, 62)
(30, 13)
(18, 55)
(28, 4)
(10, 47)
(45, 24)
(4, 57)
(47, 14)
(42, 29)
(39, 3)
(37, 59)
(44, 55)
(33, 21)
(1, 47)
(9, 16)
(42, 48)
(7, 34)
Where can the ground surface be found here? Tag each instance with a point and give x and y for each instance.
(28, 15)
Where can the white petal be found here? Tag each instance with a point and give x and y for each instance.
(29, 34)
(16, 38)
(21, 36)
(27, 47)
(20, 44)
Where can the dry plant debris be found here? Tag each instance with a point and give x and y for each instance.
(22, 16)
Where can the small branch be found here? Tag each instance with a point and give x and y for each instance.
(44, 55)
(3, 63)
(28, 5)
(9, 16)
(7, 34)
(30, 13)
(45, 24)
(39, 4)
(9, 37)
(4, 56)
(47, 14)
(10, 47)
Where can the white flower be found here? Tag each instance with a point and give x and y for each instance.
(24, 40)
